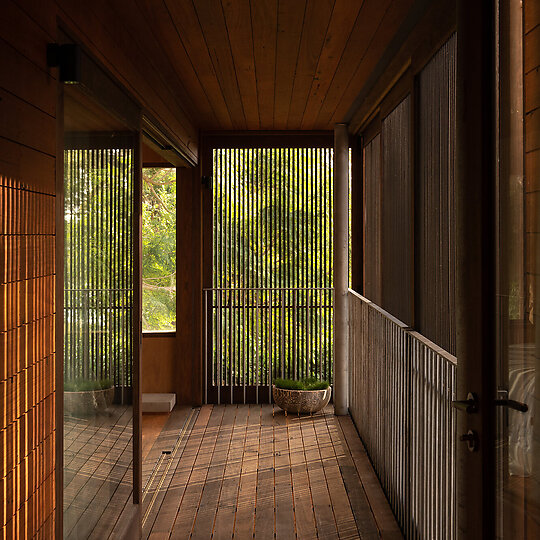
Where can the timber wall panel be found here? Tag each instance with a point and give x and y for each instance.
(28, 93)
(22, 78)
(27, 358)
(158, 363)
(189, 269)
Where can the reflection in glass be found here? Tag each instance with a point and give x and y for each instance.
(518, 452)
(98, 317)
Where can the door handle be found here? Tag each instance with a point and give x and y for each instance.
(512, 404)
(469, 405)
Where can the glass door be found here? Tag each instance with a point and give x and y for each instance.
(518, 332)
(100, 162)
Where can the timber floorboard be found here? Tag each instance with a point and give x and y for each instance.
(250, 471)
(97, 470)
(98, 473)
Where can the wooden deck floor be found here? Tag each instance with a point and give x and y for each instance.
(97, 472)
(249, 471)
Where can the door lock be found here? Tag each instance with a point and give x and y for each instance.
(471, 438)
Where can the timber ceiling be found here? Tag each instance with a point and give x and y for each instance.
(265, 64)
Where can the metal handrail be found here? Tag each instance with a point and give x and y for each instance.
(407, 383)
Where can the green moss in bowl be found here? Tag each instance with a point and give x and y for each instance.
(86, 385)
(310, 383)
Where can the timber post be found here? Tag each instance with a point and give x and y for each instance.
(341, 269)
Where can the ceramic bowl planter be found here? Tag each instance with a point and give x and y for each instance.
(88, 402)
(301, 401)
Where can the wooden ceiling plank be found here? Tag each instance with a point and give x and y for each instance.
(264, 22)
(189, 31)
(430, 32)
(212, 21)
(289, 34)
(238, 20)
(99, 38)
(166, 35)
(368, 21)
(341, 25)
(318, 14)
(141, 33)
(391, 22)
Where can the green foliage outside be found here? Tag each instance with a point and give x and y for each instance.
(273, 218)
(273, 214)
(159, 249)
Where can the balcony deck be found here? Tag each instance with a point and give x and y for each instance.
(247, 471)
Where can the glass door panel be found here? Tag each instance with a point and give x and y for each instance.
(518, 450)
(99, 166)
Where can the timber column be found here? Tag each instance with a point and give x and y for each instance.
(341, 269)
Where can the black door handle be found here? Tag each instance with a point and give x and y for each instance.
(469, 405)
(512, 404)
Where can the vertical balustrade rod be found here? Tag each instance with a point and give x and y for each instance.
(244, 214)
(270, 338)
(308, 335)
(324, 240)
(256, 347)
(282, 340)
(294, 335)
(229, 227)
(205, 347)
(302, 259)
(246, 375)
(313, 252)
(218, 352)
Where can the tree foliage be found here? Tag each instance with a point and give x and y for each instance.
(159, 249)
(272, 229)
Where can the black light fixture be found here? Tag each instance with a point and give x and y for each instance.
(66, 57)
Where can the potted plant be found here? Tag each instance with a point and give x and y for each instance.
(86, 397)
(305, 396)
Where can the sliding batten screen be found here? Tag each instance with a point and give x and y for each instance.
(269, 312)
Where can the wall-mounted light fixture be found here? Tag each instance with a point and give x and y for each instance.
(67, 58)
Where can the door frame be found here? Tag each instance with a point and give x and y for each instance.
(476, 266)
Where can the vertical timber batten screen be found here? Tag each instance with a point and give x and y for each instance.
(98, 293)
(269, 312)
(435, 282)
(372, 220)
